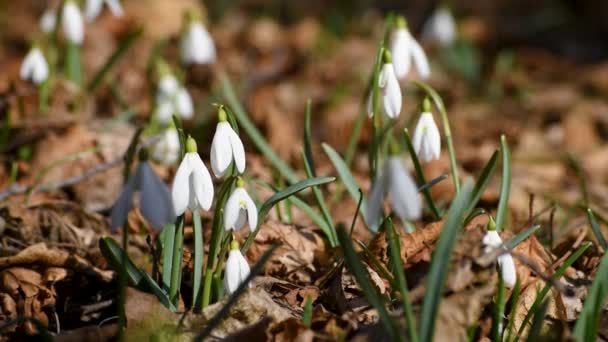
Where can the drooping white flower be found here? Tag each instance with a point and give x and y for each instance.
(192, 185)
(48, 20)
(172, 98)
(505, 261)
(240, 209)
(71, 23)
(390, 91)
(237, 269)
(34, 67)
(196, 44)
(426, 140)
(405, 49)
(441, 27)
(396, 182)
(93, 8)
(225, 147)
(166, 150)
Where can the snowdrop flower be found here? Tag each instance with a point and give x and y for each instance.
(390, 91)
(192, 185)
(237, 269)
(155, 201)
(505, 261)
(166, 150)
(441, 27)
(196, 44)
(426, 140)
(93, 8)
(71, 22)
(34, 67)
(239, 209)
(172, 98)
(405, 49)
(226, 146)
(396, 182)
(48, 20)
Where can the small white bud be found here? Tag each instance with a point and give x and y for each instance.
(197, 45)
(48, 20)
(71, 23)
(34, 67)
(236, 271)
(192, 185)
(426, 140)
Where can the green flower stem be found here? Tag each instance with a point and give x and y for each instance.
(199, 253)
(176, 264)
(44, 93)
(73, 67)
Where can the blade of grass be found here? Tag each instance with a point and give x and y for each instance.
(394, 249)
(517, 239)
(197, 270)
(254, 133)
(505, 185)
(120, 51)
(595, 227)
(376, 264)
(513, 303)
(307, 315)
(420, 175)
(483, 180)
(223, 312)
(362, 277)
(537, 324)
(167, 237)
(499, 309)
(73, 66)
(176, 261)
(439, 263)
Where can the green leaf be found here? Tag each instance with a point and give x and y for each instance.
(223, 312)
(537, 324)
(255, 135)
(517, 239)
(483, 180)
(420, 176)
(499, 309)
(73, 67)
(120, 51)
(199, 253)
(505, 186)
(166, 239)
(113, 254)
(595, 227)
(440, 262)
(371, 293)
(307, 315)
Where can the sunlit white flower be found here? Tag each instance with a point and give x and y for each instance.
(93, 8)
(396, 182)
(172, 98)
(426, 140)
(505, 261)
(225, 147)
(71, 23)
(196, 44)
(390, 91)
(166, 150)
(240, 209)
(237, 269)
(192, 185)
(405, 49)
(34, 67)
(48, 20)
(441, 27)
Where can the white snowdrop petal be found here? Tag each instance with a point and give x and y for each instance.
(391, 93)
(244, 268)
(507, 270)
(197, 45)
(164, 112)
(375, 201)
(166, 150)
(34, 67)
(403, 192)
(441, 27)
(202, 182)
(115, 7)
(491, 240)
(400, 51)
(238, 150)
(48, 20)
(420, 60)
(167, 86)
(232, 271)
(252, 211)
(221, 150)
(71, 23)
(183, 103)
(231, 211)
(180, 191)
(427, 140)
(92, 9)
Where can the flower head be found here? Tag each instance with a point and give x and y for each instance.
(240, 209)
(166, 150)
(71, 23)
(192, 185)
(196, 44)
(396, 182)
(226, 146)
(405, 49)
(48, 20)
(34, 67)
(390, 91)
(93, 8)
(505, 261)
(426, 140)
(237, 269)
(172, 98)
(441, 27)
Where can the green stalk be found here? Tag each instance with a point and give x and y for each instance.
(199, 252)
(72, 63)
(499, 309)
(122, 281)
(176, 264)
(44, 93)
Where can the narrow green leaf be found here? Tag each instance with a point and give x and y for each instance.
(176, 261)
(483, 180)
(505, 186)
(513, 303)
(308, 159)
(113, 254)
(255, 135)
(199, 252)
(499, 309)
(524, 234)
(440, 262)
(73, 67)
(307, 315)
(595, 227)
(371, 293)
(223, 312)
(420, 176)
(537, 323)
(374, 263)
(166, 239)
(120, 51)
